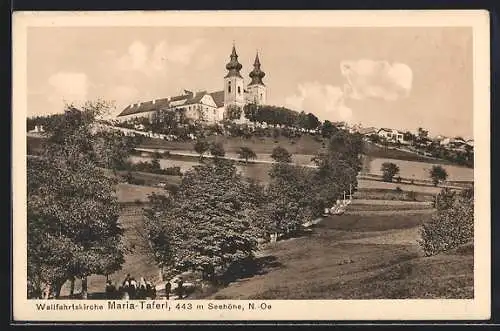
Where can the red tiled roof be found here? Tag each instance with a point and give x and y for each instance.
(218, 97)
(145, 107)
(196, 99)
(149, 106)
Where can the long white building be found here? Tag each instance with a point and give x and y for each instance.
(210, 107)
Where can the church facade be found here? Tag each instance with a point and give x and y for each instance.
(210, 107)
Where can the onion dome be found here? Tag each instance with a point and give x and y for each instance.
(234, 66)
(256, 74)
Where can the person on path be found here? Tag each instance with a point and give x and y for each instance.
(180, 288)
(168, 288)
(126, 280)
(110, 290)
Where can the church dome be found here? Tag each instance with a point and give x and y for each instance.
(233, 66)
(256, 74)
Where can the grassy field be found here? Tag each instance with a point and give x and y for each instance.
(346, 257)
(420, 170)
(369, 252)
(357, 258)
(305, 145)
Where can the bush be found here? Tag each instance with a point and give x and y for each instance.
(411, 195)
(398, 189)
(173, 171)
(389, 170)
(438, 174)
(137, 181)
(450, 227)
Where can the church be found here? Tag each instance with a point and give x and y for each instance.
(210, 107)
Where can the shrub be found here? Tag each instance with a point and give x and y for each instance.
(438, 174)
(450, 227)
(398, 189)
(411, 195)
(389, 170)
(173, 171)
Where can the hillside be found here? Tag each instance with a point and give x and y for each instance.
(354, 257)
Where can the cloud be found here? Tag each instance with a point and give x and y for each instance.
(325, 101)
(150, 60)
(376, 79)
(70, 87)
(364, 79)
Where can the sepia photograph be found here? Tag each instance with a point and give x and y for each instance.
(240, 165)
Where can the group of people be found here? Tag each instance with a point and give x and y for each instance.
(131, 289)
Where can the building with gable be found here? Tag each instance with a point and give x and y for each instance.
(210, 107)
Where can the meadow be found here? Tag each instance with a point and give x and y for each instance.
(354, 257)
(420, 170)
(369, 252)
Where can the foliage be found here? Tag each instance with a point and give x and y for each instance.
(290, 199)
(73, 212)
(337, 167)
(280, 154)
(444, 199)
(154, 167)
(247, 153)
(251, 111)
(437, 174)
(451, 226)
(217, 149)
(210, 219)
(389, 170)
(201, 147)
(233, 112)
(157, 230)
(328, 129)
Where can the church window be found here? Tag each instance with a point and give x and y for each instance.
(229, 87)
(239, 90)
(261, 96)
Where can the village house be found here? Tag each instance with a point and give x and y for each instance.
(367, 132)
(393, 135)
(453, 142)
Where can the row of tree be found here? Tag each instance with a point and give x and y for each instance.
(389, 170)
(214, 219)
(282, 116)
(72, 209)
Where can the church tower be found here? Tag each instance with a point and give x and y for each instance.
(234, 93)
(256, 88)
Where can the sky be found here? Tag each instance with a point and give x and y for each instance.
(401, 78)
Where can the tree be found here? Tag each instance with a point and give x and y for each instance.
(290, 198)
(217, 149)
(438, 174)
(251, 111)
(451, 226)
(327, 129)
(280, 154)
(157, 232)
(389, 170)
(312, 122)
(408, 136)
(421, 133)
(338, 168)
(73, 212)
(246, 153)
(201, 147)
(210, 221)
(233, 112)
